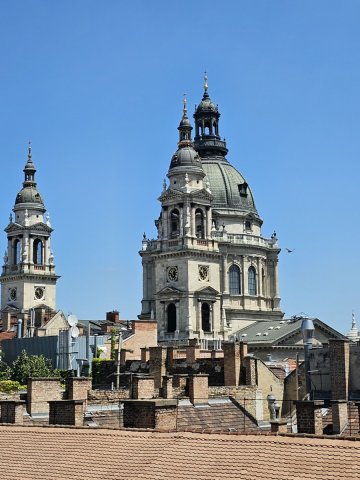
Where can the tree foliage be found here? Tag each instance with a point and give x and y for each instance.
(26, 366)
(5, 370)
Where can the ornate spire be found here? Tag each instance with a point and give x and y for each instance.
(206, 95)
(184, 127)
(29, 153)
(29, 169)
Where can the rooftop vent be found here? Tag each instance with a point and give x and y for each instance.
(271, 328)
(265, 334)
(277, 327)
(258, 334)
(244, 334)
(282, 321)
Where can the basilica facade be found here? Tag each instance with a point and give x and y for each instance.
(28, 279)
(209, 272)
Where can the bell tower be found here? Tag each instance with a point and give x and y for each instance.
(28, 279)
(182, 267)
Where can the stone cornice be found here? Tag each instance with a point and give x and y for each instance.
(28, 276)
(186, 253)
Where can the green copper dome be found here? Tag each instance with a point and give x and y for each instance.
(228, 186)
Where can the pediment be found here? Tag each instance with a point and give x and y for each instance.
(207, 291)
(202, 194)
(11, 309)
(13, 227)
(41, 227)
(169, 291)
(170, 194)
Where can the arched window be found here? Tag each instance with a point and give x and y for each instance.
(252, 281)
(199, 223)
(38, 252)
(205, 317)
(175, 223)
(234, 280)
(16, 251)
(171, 317)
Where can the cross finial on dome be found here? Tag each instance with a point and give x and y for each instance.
(185, 102)
(29, 152)
(205, 82)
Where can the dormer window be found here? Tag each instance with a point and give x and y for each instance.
(243, 189)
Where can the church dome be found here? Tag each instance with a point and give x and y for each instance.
(228, 186)
(29, 194)
(206, 105)
(185, 157)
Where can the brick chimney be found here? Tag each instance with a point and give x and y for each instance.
(232, 363)
(339, 410)
(339, 368)
(309, 416)
(199, 388)
(12, 411)
(113, 316)
(157, 364)
(142, 387)
(66, 412)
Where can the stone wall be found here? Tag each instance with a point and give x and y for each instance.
(97, 397)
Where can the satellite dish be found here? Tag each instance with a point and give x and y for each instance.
(72, 320)
(74, 331)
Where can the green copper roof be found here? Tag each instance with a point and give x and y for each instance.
(226, 183)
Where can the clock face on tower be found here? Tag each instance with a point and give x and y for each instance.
(39, 293)
(173, 274)
(12, 294)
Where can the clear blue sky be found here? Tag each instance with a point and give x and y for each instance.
(97, 87)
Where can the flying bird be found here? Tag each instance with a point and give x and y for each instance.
(290, 251)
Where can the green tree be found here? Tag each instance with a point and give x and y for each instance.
(5, 370)
(26, 366)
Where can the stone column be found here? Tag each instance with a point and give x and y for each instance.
(309, 416)
(208, 223)
(225, 276)
(193, 226)
(276, 278)
(211, 316)
(165, 215)
(198, 323)
(177, 306)
(245, 277)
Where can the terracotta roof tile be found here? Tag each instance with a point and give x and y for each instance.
(30, 453)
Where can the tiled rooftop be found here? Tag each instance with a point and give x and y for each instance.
(30, 453)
